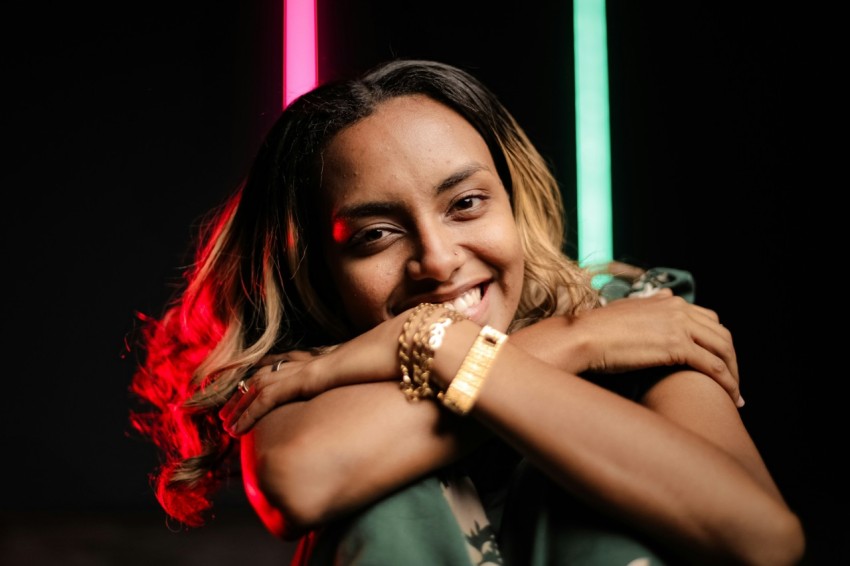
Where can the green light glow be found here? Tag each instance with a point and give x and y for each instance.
(593, 151)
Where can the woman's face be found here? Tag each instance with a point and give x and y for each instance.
(416, 212)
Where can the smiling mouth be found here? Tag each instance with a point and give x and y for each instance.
(465, 302)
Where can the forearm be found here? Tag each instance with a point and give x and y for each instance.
(349, 447)
(697, 403)
(552, 341)
(352, 445)
(674, 484)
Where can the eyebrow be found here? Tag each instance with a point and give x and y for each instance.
(458, 177)
(378, 208)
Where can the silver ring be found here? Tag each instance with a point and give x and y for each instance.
(242, 387)
(277, 365)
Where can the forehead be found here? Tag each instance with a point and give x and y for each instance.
(409, 142)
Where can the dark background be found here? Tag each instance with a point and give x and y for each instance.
(123, 123)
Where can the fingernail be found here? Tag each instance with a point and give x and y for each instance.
(740, 402)
(228, 427)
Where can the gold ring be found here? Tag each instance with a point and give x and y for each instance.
(242, 387)
(277, 365)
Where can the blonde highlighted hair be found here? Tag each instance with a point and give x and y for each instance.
(257, 283)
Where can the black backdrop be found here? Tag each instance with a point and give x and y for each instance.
(123, 123)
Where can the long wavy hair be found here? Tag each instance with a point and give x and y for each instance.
(258, 283)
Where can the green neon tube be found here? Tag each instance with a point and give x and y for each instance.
(593, 146)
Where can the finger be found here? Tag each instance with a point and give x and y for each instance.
(260, 405)
(267, 390)
(246, 391)
(718, 338)
(235, 405)
(706, 312)
(294, 355)
(713, 352)
(717, 359)
(718, 369)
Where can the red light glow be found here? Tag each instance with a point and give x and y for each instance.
(341, 232)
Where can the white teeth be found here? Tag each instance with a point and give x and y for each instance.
(465, 301)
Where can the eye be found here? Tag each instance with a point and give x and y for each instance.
(466, 202)
(372, 238)
(468, 205)
(372, 235)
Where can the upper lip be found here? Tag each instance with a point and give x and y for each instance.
(442, 297)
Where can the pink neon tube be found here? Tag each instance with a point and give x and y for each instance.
(300, 61)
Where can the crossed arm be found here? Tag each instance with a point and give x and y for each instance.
(333, 433)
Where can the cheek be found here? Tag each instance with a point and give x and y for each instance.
(507, 253)
(515, 269)
(507, 246)
(365, 288)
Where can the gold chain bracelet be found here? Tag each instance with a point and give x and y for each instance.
(425, 341)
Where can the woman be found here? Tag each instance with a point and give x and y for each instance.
(399, 231)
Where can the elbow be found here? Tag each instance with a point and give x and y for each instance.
(788, 541)
(771, 538)
(290, 491)
(782, 543)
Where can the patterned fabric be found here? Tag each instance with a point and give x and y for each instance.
(680, 281)
(463, 500)
(417, 526)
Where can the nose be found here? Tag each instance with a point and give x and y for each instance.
(437, 255)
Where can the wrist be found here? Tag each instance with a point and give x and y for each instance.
(463, 390)
(466, 354)
(422, 335)
(457, 344)
(556, 341)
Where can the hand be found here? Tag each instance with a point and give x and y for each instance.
(659, 330)
(301, 375)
